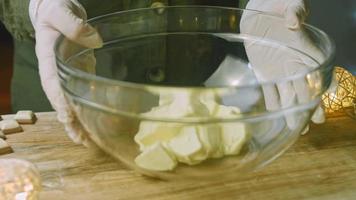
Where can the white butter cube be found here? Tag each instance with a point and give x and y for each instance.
(210, 136)
(211, 99)
(156, 158)
(153, 132)
(179, 104)
(234, 136)
(164, 144)
(25, 117)
(4, 147)
(10, 126)
(185, 144)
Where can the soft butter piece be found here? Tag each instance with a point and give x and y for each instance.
(152, 132)
(25, 117)
(210, 139)
(234, 136)
(163, 145)
(210, 136)
(10, 126)
(4, 147)
(185, 144)
(179, 104)
(156, 158)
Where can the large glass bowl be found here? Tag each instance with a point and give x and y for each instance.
(174, 95)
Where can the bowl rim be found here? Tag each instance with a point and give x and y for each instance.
(241, 117)
(326, 64)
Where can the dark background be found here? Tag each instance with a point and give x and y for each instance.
(6, 51)
(337, 18)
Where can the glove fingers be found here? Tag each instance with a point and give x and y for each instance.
(48, 72)
(288, 98)
(319, 115)
(75, 28)
(295, 92)
(50, 19)
(79, 10)
(77, 133)
(296, 13)
(86, 62)
(300, 85)
(271, 97)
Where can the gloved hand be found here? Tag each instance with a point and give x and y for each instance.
(51, 19)
(270, 63)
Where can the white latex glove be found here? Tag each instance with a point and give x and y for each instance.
(269, 63)
(51, 18)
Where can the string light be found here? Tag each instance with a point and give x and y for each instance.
(344, 95)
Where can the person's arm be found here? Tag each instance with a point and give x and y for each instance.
(51, 18)
(14, 15)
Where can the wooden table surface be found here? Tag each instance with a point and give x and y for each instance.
(321, 165)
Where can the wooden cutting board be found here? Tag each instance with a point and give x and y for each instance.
(321, 165)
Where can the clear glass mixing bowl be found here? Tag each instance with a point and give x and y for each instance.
(164, 70)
